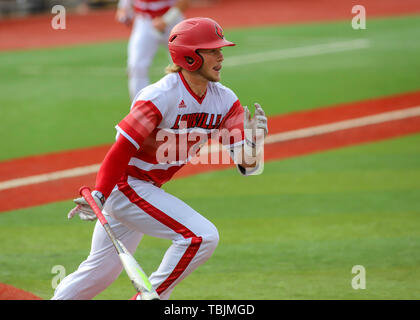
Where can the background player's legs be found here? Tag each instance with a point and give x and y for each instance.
(101, 267)
(142, 47)
(152, 211)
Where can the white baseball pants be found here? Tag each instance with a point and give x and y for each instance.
(133, 209)
(142, 47)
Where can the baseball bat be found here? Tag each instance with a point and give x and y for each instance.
(136, 274)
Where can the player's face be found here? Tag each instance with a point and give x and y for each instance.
(212, 64)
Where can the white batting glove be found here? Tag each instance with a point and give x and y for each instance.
(255, 128)
(84, 210)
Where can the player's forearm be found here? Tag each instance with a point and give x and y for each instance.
(251, 167)
(249, 158)
(114, 165)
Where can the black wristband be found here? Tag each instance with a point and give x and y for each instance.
(250, 143)
(99, 196)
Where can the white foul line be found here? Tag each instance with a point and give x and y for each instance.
(69, 173)
(297, 52)
(343, 125)
(270, 139)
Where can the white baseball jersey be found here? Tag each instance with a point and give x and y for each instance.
(153, 8)
(167, 119)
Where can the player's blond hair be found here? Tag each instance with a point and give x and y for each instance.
(172, 68)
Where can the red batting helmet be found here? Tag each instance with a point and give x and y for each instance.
(192, 34)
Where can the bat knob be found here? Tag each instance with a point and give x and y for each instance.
(148, 296)
(82, 190)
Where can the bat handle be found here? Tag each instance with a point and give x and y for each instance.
(132, 268)
(85, 192)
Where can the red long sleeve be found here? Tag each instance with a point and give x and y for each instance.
(114, 165)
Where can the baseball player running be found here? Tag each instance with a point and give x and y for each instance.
(152, 21)
(188, 101)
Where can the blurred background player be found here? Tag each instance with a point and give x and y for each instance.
(152, 22)
(128, 184)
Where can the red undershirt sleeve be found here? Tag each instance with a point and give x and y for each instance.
(114, 165)
(143, 118)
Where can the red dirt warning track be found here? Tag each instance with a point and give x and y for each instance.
(8, 292)
(100, 26)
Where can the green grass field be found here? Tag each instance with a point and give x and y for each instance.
(294, 232)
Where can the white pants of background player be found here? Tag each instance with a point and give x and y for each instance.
(139, 208)
(142, 47)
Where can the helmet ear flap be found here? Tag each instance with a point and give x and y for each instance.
(194, 61)
(199, 60)
(189, 60)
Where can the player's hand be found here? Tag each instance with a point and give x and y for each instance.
(159, 24)
(256, 127)
(84, 210)
(124, 16)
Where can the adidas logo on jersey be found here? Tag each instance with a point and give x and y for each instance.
(182, 104)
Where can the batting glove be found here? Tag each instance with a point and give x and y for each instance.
(84, 210)
(255, 128)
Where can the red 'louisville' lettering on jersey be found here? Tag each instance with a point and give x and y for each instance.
(198, 120)
(154, 8)
(155, 119)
